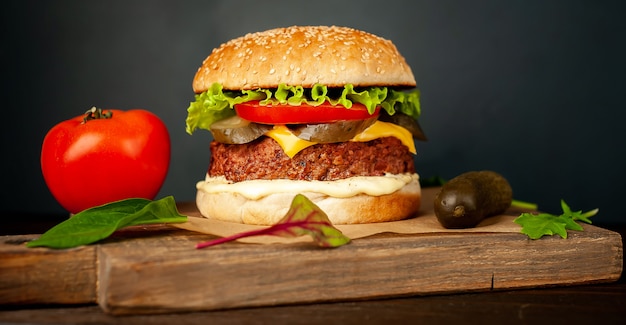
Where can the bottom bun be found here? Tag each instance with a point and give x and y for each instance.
(268, 210)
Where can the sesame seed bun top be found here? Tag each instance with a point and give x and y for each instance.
(304, 55)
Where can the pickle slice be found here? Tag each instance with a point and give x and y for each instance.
(406, 122)
(235, 130)
(340, 131)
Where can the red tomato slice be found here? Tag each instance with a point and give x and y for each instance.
(289, 114)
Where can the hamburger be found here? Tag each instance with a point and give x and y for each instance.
(324, 111)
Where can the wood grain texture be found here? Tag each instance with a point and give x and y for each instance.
(588, 304)
(166, 274)
(40, 276)
(156, 268)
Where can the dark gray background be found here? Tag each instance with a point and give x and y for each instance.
(531, 89)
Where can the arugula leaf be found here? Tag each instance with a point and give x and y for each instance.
(303, 218)
(523, 205)
(578, 215)
(536, 226)
(100, 222)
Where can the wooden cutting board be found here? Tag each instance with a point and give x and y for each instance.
(156, 269)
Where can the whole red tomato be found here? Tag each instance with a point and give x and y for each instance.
(105, 156)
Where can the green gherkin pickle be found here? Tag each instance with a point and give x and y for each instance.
(235, 130)
(339, 131)
(469, 198)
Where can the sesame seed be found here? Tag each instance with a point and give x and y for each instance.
(338, 44)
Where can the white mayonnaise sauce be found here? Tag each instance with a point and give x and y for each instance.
(255, 189)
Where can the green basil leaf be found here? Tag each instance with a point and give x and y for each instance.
(100, 222)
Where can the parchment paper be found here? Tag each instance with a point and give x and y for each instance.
(425, 222)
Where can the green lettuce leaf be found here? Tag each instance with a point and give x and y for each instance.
(216, 104)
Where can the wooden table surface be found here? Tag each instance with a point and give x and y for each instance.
(591, 303)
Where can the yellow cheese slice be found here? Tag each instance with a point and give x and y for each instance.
(291, 144)
(385, 129)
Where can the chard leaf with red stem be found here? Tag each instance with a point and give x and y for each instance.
(303, 218)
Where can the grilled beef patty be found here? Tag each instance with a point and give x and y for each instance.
(265, 159)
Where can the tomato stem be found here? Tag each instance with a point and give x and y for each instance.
(96, 113)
